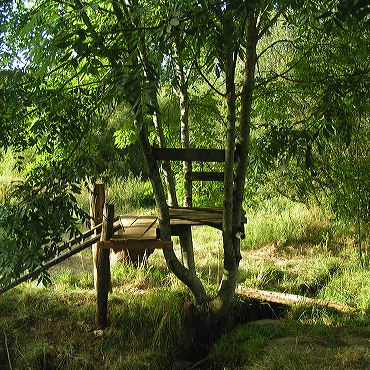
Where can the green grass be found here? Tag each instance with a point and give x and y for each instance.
(285, 344)
(54, 328)
(129, 195)
(289, 248)
(280, 221)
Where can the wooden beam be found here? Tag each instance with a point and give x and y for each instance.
(37, 271)
(81, 238)
(96, 201)
(206, 176)
(117, 244)
(103, 282)
(56, 260)
(174, 210)
(189, 155)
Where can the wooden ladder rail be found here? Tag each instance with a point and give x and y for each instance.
(56, 260)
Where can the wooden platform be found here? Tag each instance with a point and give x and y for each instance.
(143, 231)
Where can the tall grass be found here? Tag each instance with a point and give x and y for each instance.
(280, 220)
(128, 194)
(289, 247)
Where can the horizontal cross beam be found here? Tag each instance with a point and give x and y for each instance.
(206, 176)
(117, 244)
(189, 155)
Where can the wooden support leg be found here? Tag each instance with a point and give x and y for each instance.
(102, 288)
(96, 200)
(103, 269)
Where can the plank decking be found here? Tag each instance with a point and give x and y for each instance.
(143, 231)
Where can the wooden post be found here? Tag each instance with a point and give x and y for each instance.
(103, 269)
(96, 200)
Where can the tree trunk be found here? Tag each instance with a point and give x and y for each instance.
(233, 200)
(189, 278)
(181, 272)
(245, 116)
(185, 275)
(168, 173)
(186, 239)
(182, 93)
(221, 303)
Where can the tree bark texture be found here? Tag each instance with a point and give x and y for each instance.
(96, 201)
(182, 93)
(186, 239)
(245, 115)
(181, 272)
(103, 269)
(233, 200)
(166, 166)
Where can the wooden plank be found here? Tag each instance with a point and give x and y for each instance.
(189, 155)
(56, 260)
(127, 220)
(195, 209)
(138, 227)
(206, 176)
(199, 214)
(118, 244)
(196, 216)
(37, 271)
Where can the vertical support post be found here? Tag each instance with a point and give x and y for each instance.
(186, 239)
(96, 200)
(103, 269)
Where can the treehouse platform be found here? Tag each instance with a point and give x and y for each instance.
(143, 231)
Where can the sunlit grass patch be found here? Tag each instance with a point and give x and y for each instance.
(288, 224)
(351, 287)
(129, 194)
(55, 328)
(286, 344)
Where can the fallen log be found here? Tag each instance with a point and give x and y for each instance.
(289, 299)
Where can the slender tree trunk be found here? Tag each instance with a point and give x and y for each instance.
(245, 127)
(167, 169)
(233, 200)
(182, 273)
(221, 303)
(186, 239)
(245, 115)
(182, 92)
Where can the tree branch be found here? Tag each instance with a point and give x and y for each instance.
(272, 45)
(207, 81)
(269, 24)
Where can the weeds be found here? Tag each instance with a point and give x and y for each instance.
(127, 194)
(289, 248)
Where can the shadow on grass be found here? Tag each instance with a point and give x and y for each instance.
(295, 344)
(48, 329)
